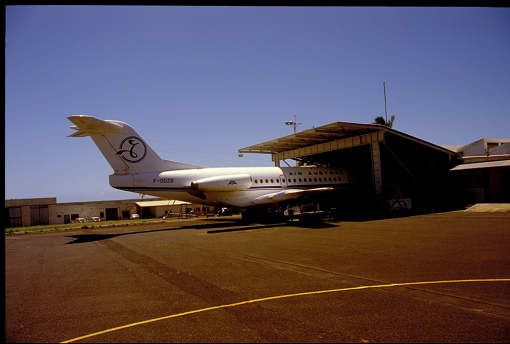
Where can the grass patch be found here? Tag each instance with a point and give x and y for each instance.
(75, 226)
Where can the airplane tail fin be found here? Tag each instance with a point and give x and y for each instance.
(122, 146)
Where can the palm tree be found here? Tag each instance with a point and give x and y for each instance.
(380, 120)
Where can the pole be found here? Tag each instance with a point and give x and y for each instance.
(385, 113)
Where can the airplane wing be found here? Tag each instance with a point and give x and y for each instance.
(289, 194)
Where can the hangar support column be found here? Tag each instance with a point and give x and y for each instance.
(276, 160)
(376, 167)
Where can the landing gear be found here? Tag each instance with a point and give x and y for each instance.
(249, 216)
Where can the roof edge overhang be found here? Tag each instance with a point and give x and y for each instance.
(331, 132)
(478, 165)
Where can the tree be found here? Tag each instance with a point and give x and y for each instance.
(380, 120)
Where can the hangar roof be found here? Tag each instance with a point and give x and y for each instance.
(329, 132)
(476, 165)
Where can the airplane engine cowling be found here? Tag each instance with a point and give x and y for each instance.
(223, 183)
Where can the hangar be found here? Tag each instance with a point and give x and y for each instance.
(400, 169)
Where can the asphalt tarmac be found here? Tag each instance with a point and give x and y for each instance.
(429, 278)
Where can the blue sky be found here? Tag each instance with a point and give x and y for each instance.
(198, 83)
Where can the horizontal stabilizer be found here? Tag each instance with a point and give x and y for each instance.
(87, 125)
(79, 133)
(288, 194)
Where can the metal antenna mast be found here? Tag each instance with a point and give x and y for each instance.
(385, 113)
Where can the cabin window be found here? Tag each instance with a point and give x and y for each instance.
(272, 181)
(256, 181)
(267, 181)
(300, 180)
(320, 179)
(294, 180)
(261, 181)
(315, 179)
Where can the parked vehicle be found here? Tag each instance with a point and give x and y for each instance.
(224, 212)
(134, 216)
(95, 219)
(80, 219)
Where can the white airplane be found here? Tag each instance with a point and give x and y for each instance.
(138, 168)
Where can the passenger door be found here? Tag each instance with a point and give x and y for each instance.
(283, 181)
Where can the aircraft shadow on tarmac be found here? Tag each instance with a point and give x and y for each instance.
(214, 227)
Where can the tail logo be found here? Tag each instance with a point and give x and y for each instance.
(132, 149)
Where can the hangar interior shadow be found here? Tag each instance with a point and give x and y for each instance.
(421, 173)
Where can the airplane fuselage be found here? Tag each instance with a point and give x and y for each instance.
(234, 186)
(138, 168)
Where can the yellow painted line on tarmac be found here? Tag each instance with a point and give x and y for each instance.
(280, 297)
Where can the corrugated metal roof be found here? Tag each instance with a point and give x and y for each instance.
(333, 131)
(328, 132)
(476, 165)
